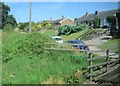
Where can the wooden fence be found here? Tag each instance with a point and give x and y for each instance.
(110, 63)
(95, 70)
(102, 67)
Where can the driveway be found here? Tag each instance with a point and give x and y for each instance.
(97, 41)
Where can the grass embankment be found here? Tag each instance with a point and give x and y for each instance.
(50, 32)
(74, 35)
(67, 37)
(84, 34)
(111, 44)
(26, 61)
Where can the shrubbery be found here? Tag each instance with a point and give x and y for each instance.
(9, 27)
(24, 44)
(24, 26)
(67, 30)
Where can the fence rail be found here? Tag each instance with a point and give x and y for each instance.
(103, 65)
(101, 57)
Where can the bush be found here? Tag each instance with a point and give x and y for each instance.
(96, 22)
(24, 44)
(8, 27)
(67, 30)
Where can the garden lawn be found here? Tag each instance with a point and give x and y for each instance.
(74, 35)
(114, 43)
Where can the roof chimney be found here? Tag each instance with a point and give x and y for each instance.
(96, 12)
(62, 17)
(86, 14)
(50, 19)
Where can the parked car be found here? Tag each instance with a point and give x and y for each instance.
(81, 45)
(57, 39)
(106, 38)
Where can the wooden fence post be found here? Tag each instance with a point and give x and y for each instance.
(90, 64)
(107, 59)
(119, 50)
(119, 55)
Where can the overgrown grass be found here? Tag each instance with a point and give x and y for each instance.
(25, 61)
(5, 35)
(23, 70)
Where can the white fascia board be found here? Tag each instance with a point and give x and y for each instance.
(65, 19)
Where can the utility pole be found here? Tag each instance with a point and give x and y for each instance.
(30, 17)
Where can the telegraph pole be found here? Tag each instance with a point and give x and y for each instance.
(30, 17)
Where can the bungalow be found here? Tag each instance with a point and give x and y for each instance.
(102, 16)
(62, 21)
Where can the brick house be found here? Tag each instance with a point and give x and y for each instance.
(62, 21)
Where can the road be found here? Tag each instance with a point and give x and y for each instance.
(97, 41)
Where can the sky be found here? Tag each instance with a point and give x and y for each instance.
(55, 10)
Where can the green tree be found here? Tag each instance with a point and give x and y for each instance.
(118, 17)
(34, 26)
(11, 20)
(96, 22)
(6, 18)
(4, 10)
(39, 26)
(23, 25)
(46, 24)
(111, 20)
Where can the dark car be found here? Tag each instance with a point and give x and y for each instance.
(81, 45)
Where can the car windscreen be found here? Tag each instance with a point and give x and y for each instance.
(57, 39)
(76, 42)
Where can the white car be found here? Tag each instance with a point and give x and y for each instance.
(57, 39)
